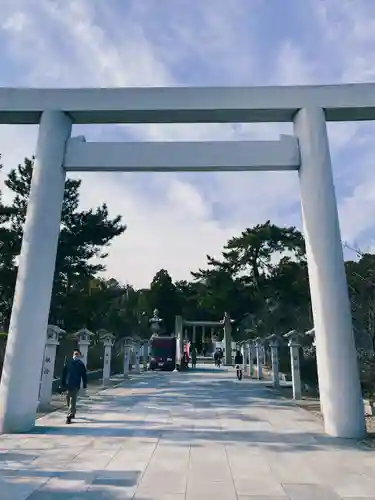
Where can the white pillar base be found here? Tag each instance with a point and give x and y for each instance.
(27, 332)
(339, 386)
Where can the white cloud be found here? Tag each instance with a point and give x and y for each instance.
(292, 68)
(16, 22)
(174, 220)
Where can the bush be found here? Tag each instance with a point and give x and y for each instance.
(366, 363)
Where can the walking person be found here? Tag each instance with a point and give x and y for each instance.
(194, 357)
(217, 358)
(238, 361)
(73, 374)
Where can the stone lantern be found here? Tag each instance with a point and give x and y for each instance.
(84, 340)
(155, 322)
(274, 346)
(247, 357)
(145, 353)
(243, 347)
(52, 341)
(311, 333)
(137, 354)
(227, 324)
(294, 344)
(258, 351)
(108, 340)
(128, 341)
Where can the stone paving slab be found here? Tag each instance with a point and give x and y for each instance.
(184, 436)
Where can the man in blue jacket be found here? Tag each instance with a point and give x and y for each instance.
(73, 373)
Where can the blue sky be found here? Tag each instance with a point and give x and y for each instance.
(174, 220)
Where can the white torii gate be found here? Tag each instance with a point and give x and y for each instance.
(308, 107)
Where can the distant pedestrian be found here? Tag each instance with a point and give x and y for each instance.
(194, 358)
(185, 360)
(73, 374)
(217, 358)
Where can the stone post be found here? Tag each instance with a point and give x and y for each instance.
(127, 346)
(137, 355)
(227, 322)
(274, 346)
(258, 344)
(294, 345)
(84, 340)
(251, 356)
(145, 355)
(248, 358)
(234, 349)
(108, 341)
(45, 393)
(243, 351)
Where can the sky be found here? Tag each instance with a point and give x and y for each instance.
(175, 219)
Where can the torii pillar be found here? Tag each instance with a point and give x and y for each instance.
(339, 386)
(19, 388)
(108, 341)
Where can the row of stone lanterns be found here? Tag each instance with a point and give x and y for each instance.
(250, 350)
(84, 337)
(294, 344)
(255, 349)
(139, 349)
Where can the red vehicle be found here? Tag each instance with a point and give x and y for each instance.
(163, 353)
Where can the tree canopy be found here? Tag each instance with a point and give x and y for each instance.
(84, 236)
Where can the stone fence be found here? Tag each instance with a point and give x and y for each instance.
(133, 350)
(255, 350)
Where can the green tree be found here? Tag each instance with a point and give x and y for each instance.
(361, 283)
(221, 292)
(84, 235)
(7, 262)
(191, 296)
(252, 254)
(252, 278)
(164, 297)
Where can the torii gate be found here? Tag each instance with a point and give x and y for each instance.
(307, 152)
(224, 324)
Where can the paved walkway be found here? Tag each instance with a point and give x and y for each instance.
(184, 436)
